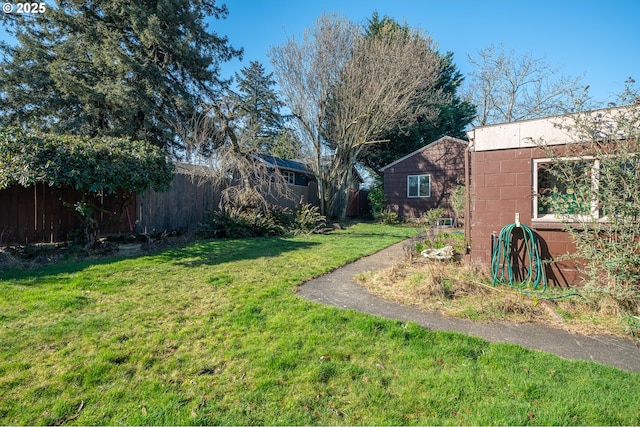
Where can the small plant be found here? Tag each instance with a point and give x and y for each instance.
(307, 220)
(89, 224)
(432, 216)
(387, 216)
(457, 199)
(632, 325)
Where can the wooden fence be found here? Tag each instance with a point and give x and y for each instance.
(191, 197)
(359, 204)
(178, 209)
(40, 214)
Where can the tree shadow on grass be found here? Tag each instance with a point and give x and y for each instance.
(218, 251)
(192, 254)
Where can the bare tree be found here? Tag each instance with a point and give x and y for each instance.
(593, 186)
(306, 72)
(345, 89)
(389, 81)
(224, 154)
(506, 87)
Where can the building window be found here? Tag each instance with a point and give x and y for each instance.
(555, 198)
(289, 177)
(418, 186)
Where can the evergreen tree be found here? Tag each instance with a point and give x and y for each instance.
(452, 120)
(286, 145)
(259, 105)
(112, 67)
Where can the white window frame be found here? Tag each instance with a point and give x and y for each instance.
(552, 217)
(427, 176)
(290, 177)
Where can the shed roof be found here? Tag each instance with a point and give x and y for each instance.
(444, 139)
(552, 130)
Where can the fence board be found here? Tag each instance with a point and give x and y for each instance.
(182, 207)
(41, 214)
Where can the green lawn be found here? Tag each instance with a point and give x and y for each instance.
(213, 333)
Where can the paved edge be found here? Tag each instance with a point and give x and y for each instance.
(338, 289)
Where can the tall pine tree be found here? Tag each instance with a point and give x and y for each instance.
(259, 105)
(113, 67)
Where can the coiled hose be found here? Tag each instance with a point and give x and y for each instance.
(514, 262)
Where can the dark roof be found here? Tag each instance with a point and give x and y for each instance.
(277, 162)
(294, 165)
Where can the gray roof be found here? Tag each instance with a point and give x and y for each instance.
(280, 163)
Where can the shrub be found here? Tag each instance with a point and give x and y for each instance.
(432, 216)
(387, 216)
(377, 198)
(308, 220)
(93, 166)
(233, 222)
(597, 196)
(237, 223)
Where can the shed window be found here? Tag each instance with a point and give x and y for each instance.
(418, 186)
(554, 197)
(290, 177)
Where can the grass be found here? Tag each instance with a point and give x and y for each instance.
(213, 333)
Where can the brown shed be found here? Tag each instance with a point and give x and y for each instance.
(424, 179)
(508, 178)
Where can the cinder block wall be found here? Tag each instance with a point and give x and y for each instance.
(501, 185)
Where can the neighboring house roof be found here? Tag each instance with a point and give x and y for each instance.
(444, 139)
(296, 166)
(280, 163)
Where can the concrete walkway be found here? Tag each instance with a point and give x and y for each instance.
(338, 289)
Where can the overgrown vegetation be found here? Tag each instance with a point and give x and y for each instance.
(93, 166)
(233, 222)
(467, 291)
(213, 333)
(594, 188)
(436, 239)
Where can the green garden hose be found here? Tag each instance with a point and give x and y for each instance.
(513, 263)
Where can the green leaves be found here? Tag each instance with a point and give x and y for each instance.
(112, 68)
(90, 165)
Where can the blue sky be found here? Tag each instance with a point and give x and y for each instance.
(599, 40)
